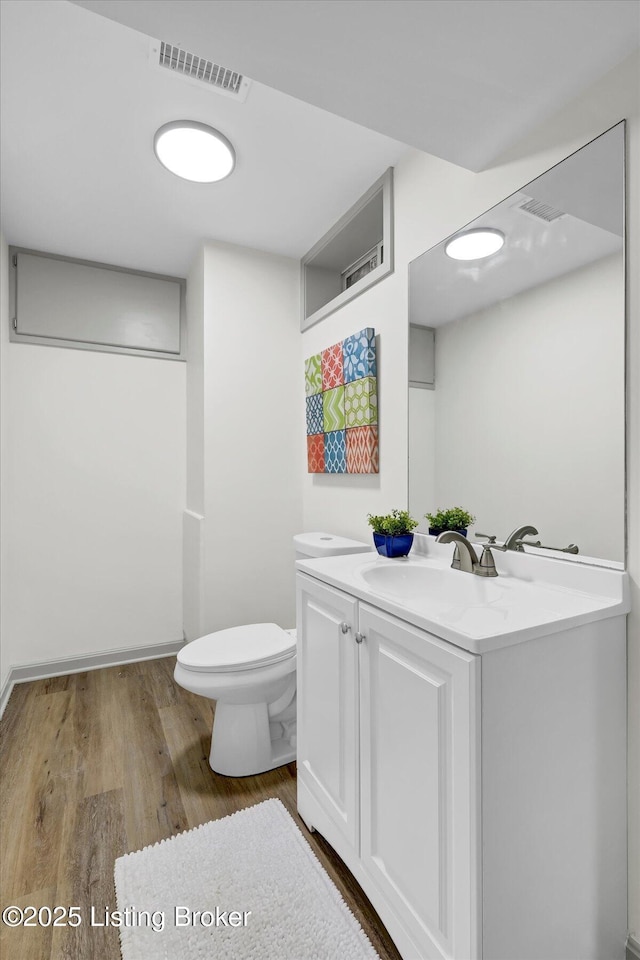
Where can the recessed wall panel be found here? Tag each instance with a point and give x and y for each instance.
(92, 305)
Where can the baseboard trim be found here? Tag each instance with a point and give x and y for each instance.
(20, 673)
(633, 948)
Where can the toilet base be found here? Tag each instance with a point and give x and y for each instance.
(241, 745)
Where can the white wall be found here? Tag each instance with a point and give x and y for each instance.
(633, 510)
(4, 396)
(339, 503)
(530, 412)
(422, 453)
(94, 480)
(432, 200)
(252, 387)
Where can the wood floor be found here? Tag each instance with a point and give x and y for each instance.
(98, 764)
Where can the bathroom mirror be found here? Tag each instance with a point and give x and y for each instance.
(517, 369)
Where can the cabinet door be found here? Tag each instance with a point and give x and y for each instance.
(418, 767)
(328, 706)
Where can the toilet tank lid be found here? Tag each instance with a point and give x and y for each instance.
(252, 645)
(321, 544)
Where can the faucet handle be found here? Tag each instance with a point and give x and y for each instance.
(572, 548)
(491, 542)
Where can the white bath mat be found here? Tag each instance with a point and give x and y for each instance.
(247, 887)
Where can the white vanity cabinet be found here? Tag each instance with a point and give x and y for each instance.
(387, 764)
(478, 799)
(418, 789)
(328, 711)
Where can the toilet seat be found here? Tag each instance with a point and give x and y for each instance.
(238, 648)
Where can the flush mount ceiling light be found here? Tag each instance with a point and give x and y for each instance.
(474, 244)
(194, 151)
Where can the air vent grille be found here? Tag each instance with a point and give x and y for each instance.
(192, 67)
(540, 211)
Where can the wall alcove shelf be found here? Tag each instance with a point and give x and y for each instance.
(356, 253)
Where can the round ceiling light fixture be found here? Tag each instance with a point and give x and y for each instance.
(474, 244)
(194, 151)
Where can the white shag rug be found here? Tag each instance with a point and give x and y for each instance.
(247, 887)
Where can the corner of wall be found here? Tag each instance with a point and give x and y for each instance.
(195, 383)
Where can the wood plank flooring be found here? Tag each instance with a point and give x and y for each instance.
(98, 764)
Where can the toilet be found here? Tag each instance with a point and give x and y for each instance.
(250, 671)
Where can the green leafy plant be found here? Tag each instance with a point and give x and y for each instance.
(455, 518)
(393, 524)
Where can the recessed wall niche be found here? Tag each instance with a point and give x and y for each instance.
(355, 254)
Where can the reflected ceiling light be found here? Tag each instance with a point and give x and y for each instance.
(474, 244)
(194, 151)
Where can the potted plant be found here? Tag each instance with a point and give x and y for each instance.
(393, 533)
(455, 518)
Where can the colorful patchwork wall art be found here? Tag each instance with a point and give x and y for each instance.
(342, 406)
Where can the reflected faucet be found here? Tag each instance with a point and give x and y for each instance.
(465, 557)
(513, 540)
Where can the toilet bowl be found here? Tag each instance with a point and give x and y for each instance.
(250, 671)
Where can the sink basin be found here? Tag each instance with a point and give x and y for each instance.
(408, 582)
(472, 606)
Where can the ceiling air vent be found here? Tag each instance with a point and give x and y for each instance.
(539, 210)
(182, 63)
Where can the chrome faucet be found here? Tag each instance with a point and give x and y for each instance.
(465, 557)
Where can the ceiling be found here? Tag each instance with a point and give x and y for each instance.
(460, 79)
(80, 106)
(339, 89)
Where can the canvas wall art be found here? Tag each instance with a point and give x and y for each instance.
(342, 406)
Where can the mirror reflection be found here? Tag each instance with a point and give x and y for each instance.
(516, 369)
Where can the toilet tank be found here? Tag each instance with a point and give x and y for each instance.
(319, 544)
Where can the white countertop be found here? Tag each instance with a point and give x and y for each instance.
(531, 597)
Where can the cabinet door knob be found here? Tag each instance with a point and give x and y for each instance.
(359, 637)
(345, 627)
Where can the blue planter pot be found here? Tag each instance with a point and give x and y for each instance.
(436, 533)
(393, 546)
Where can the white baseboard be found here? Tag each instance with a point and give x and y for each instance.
(633, 948)
(20, 673)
